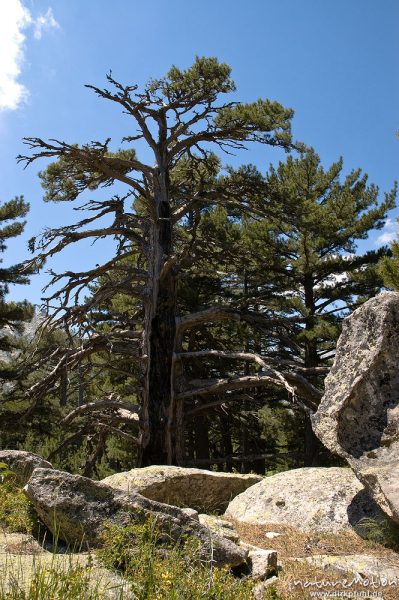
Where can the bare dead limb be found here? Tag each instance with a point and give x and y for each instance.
(216, 386)
(119, 432)
(112, 401)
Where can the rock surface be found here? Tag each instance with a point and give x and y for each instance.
(310, 499)
(206, 491)
(262, 563)
(220, 527)
(23, 463)
(361, 565)
(19, 543)
(358, 417)
(76, 508)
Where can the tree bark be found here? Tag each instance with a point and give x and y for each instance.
(201, 427)
(157, 444)
(227, 444)
(313, 448)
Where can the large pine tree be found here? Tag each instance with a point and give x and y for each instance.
(178, 117)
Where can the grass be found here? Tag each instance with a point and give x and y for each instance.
(150, 572)
(16, 513)
(158, 571)
(38, 581)
(381, 530)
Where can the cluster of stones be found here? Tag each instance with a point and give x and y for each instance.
(75, 508)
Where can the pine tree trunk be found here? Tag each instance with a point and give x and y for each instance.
(157, 444)
(64, 387)
(190, 443)
(225, 428)
(201, 426)
(313, 448)
(160, 379)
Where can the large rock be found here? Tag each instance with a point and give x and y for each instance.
(23, 463)
(75, 508)
(358, 417)
(206, 491)
(310, 499)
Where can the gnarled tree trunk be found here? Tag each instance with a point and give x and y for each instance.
(157, 445)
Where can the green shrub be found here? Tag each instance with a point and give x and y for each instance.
(5, 472)
(175, 573)
(16, 512)
(381, 530)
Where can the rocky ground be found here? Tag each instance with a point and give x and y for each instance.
(305, 557)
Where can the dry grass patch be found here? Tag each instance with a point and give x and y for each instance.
(296, 575)
(293, 543)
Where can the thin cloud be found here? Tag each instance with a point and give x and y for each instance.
(387, 238)
(45, 23)
(15, 20)
(389, 233)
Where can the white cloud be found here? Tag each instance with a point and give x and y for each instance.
(386, 238)
(15, 19)
(44, 23)
(333, 280)
(389, 234)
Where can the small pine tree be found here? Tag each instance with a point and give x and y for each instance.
(12, 314)
(388, 268)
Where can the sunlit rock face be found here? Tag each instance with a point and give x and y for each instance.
(22, 463)
(322, 499)
(206, 491)
(75, 509)
(358, 417)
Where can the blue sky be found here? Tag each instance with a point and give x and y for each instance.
(335, 62)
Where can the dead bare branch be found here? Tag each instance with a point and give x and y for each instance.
(112, 401)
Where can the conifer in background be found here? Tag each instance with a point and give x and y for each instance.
(389, 268)
(12, 314)
(294, 259)
(313, 220)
